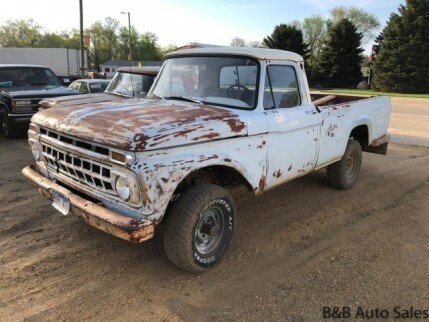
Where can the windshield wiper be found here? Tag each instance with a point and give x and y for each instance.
(183, 98)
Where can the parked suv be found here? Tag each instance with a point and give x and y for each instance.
(21, 89)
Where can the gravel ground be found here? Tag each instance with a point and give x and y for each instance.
(297, 248)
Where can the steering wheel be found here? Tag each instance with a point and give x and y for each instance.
(230, 92)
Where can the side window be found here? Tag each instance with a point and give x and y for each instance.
(238, 82)
(83, 88)
(281, 87)
(75, 85)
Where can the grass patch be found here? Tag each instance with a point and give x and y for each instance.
(369, 92)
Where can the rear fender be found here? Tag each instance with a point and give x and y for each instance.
(364, 121)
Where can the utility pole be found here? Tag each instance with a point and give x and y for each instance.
(130, 58)
(82, 48)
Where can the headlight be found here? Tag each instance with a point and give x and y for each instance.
(35, 151)
(127, 186)
(22, 106)
(122, 186)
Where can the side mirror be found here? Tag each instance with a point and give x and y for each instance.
(66, 81)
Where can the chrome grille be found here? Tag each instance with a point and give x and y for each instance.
(86, 171)
(74, 141)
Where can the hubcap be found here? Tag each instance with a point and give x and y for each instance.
(351, 165)
(209, 230)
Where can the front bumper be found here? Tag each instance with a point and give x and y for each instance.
(131, 229)
(20, 119)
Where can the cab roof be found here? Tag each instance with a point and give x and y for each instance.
(258, 53)
(146, 70)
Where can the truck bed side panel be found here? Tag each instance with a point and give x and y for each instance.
(338, 121)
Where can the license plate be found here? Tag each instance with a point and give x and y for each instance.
(60, 202)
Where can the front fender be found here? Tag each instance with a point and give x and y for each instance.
(160, 174)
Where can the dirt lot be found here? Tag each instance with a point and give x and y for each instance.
(296, 249)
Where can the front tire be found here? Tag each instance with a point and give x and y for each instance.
(344, 174)
(5, 128)
(199, 227)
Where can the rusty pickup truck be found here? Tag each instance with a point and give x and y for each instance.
(215, 119)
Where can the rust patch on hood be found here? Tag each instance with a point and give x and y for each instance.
(143, 125)
(207, 136)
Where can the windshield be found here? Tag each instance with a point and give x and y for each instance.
(224, 81)
(130, 85)
(26, 76)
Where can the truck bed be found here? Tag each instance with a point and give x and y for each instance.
(366, 116)
(322, 99)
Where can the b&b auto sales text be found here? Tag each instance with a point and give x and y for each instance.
(397, 312)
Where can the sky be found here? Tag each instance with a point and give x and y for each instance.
(179, 22)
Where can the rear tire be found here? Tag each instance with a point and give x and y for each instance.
(199, 227)
(344, 174)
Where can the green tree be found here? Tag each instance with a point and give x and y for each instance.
(108, 40)
(287, 37)
(365, 22)
(402, 64)
(341, 56)
(124, 43)
(238, 42)
(19, 33)
(104, 38)
(62, 40)
(314, 30)
(148, 47)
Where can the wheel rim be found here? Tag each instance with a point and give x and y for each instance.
(351, 165)
(209, 230)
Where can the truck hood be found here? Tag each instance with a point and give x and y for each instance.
(38, 91)
(144, 125)
(78, 100)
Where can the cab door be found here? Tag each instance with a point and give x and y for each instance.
(293, 124)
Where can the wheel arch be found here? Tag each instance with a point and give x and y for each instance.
(361, 131)
(220, 174)
(3, 106)
(226, 176)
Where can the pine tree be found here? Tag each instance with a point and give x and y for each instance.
(341, 57)
(402, 64)
(287, 37)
